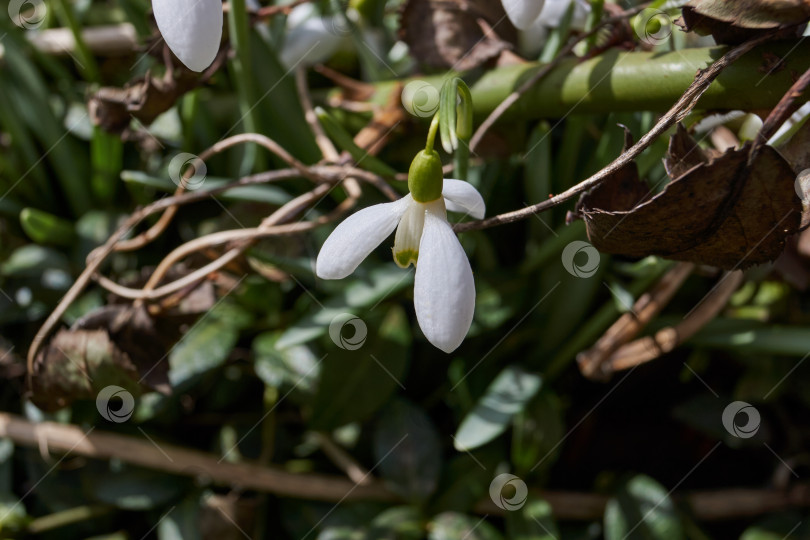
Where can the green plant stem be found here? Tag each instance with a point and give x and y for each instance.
(461, 160)
(634, 81)
(240, 63)
(431, 136)
(84, 59)
(597, 8)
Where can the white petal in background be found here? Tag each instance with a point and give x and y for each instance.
(357, 236)
(522, 13)
(310, 39)
(192, 29)
(462, 197)
(553, 11)
(444, 290)
(532, 39)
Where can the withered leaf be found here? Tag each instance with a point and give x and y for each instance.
(754, 13)
(683, 154)
(447, 33)
(720, 212)
(146, 98)
(114, 345)
(624, 189)
(77, 364)
(734, 21)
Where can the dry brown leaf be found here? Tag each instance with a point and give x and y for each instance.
(754, 13)
(114, 345)
(734, 21)
(719, 212)
(447, 33)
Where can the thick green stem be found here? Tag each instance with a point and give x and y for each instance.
(461, 160)
(431, 136)
(240, 64)
(632, 81)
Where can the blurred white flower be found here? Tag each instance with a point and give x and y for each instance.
(444, 291)
(523, 13)
(534, 19)
(310, 38)
(192, 29)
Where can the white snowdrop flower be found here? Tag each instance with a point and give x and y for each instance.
(444, 290)
(192, 29)
(535, 24)
(311, 39)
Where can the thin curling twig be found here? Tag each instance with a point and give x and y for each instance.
(157, 229)
(116, 240)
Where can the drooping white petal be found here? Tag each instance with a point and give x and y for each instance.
(531, 40)
(409, 235)
(522, 13)
(444, 291)
(462, 197)
(313, 40)
(553, 11)
(192, 29)
(357, 236)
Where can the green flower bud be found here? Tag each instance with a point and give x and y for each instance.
(425, 176)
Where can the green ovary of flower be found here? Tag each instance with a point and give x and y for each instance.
(425, 176)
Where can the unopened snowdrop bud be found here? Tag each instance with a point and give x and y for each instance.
(425, 176)
(192, 29)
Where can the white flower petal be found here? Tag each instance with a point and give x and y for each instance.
(192, 29)
(409, 235)
(554, 10)
(532, 39)
(462, 197)
(312, 41)
(522, 13)
(357, 236)
(444, 290)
